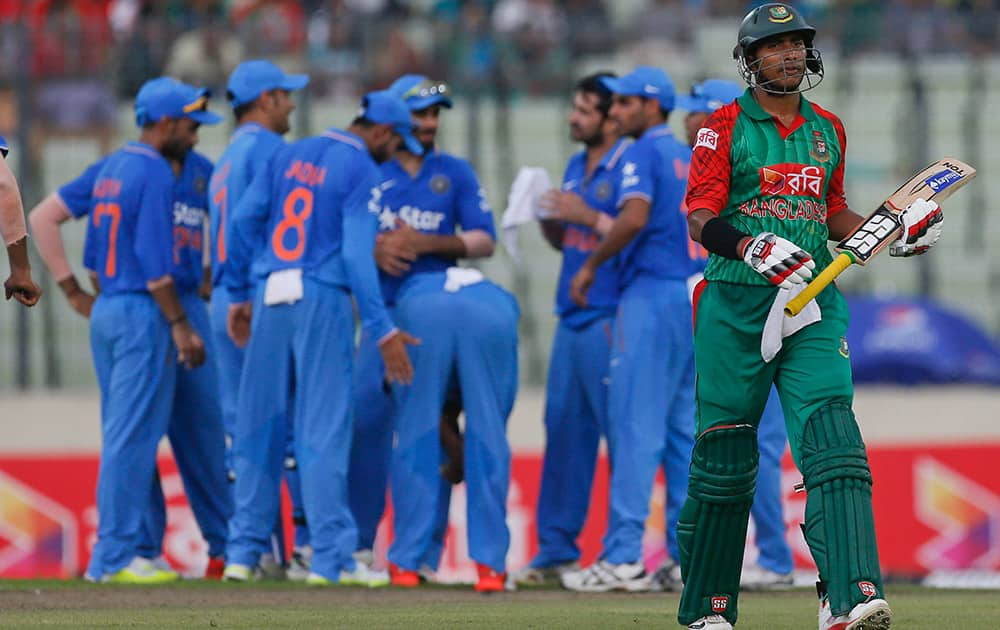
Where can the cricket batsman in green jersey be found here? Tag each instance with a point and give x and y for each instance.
(765, 195)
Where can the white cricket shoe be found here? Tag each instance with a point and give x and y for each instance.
(298, 568)
(552, 574)
(757, 578)
(603, 576)
(667, 577)
(711, 622)
(871, 615)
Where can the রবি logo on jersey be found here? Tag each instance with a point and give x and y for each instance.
(792, 179)
(867, 589)
(708, 138)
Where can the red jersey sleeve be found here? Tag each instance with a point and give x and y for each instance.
(708, 178)
(836, 200)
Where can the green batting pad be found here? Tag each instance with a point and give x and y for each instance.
(840, 528)
(712, 527)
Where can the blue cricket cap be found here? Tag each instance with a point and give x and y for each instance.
(420, 92)
(386, 108)
(250, 79)
(167, 97)
(645, 81)
(709, 95)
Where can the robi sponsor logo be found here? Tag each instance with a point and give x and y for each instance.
(708, 138)
(792, 179)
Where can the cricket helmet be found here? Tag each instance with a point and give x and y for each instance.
(770, 20)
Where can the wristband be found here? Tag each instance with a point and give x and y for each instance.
(719, 237)
(180, 318)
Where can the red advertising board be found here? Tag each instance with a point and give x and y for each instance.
(936, 508)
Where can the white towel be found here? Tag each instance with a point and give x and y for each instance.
(283, 287)
(778, 325)
(522, 205)
(458, 277)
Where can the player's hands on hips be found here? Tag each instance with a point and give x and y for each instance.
(922, 226)
(395, 250)
(238, 322)
(580, 284)
(783, 263)
(190, 347)
(398, 368)
(22, 287)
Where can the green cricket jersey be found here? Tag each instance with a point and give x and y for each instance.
(763, 177)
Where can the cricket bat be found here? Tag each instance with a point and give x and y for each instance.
(938, 181)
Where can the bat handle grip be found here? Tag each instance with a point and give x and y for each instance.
(820, 282)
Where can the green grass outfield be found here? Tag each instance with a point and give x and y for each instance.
(74, 604)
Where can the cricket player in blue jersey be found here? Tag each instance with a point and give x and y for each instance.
(651, 393)
(19, 285)
(195, 428)
(303, 235)
(774, 560)
(138, 320)
(469, 331)
(260, 94)
(576, 394)
(425, 199)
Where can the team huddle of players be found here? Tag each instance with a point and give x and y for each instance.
(367, 223)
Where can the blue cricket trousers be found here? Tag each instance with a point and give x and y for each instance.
(651, 411)
(576, 412)
(472, 334)
(135, 361)
(299, 356)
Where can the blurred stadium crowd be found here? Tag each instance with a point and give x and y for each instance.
(93, 52)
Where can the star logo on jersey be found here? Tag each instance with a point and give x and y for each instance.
(200, 185)
(440, 184)
(708, 138)
(386, 219)
(629, 178)
(484, 204)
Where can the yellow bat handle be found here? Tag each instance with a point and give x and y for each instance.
(820, 282)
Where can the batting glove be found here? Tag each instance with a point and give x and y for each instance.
(922, 225)
(783, 263)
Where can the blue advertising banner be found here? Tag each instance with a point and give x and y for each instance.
(914, 340)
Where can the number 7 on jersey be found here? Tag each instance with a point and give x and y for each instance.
(938, 181)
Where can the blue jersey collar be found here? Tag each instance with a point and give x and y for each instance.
(136, 146)
(658, 131)
(341, 135)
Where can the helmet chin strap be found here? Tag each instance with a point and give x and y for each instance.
(811, 77)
